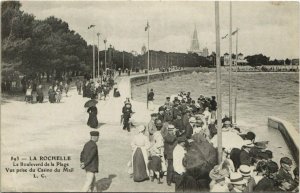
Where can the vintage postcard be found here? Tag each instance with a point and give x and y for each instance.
(149, 96)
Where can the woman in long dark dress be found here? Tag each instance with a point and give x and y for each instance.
(40, 94)
(51, 94)
(140, 145)
(92, 121)
(88, 90)
(84, 88)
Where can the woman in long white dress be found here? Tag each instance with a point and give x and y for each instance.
(140, 146)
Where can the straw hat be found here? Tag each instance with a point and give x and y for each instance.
(141, 128)
(192, 120)
(237, 179)
(171, 127)
(245, 170)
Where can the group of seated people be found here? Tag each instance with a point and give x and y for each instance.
(183, 145)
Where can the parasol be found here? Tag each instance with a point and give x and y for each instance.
(90, 103)
(201, 156)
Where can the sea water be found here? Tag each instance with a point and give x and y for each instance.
(259, 95)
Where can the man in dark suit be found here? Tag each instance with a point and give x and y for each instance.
(189, 128)
(170, 141)
(89, 161)
(127, 112)
(161, 113)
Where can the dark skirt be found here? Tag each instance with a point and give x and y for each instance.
(155, 164)
(83, 91)
(51, 98)
(92, 121)
(139, 166)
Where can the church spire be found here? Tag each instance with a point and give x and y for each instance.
(195, 43)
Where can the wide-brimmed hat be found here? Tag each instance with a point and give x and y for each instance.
(171, 127)
(248, 143)
(237, 178)
(244, 170)
(260, 145)
(227, 122)
(141, 128)
(192, 120)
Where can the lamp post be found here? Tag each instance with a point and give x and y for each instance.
(94, 70)
(98, 34)
(123, 62)
(236, 75)
(101, 71)
(230, 62)
(156, 60)
(93, 26)
(132, 52)
(148, 30)
(105, 54)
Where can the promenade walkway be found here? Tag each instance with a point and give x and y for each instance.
(61, 130)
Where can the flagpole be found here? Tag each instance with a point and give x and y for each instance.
(236, 75)
(148, 64)
(105, 55)
(94, 57)
(98, 34)
(219, 99)
(230, 63)
(123, 60)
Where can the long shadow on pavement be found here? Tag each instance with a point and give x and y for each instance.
(104, 183)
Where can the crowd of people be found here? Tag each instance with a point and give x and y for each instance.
(95, 89)
(180, 142)
(34, 92)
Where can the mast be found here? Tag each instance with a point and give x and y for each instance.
(236, 74)
(230, 63)
(219, 99)
(148, 64)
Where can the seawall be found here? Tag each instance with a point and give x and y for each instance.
(142, 79)
(289, 133)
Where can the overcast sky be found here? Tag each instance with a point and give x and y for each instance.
(265, 27)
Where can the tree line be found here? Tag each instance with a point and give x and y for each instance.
(35, 47)
(260, 59)
(49, 47)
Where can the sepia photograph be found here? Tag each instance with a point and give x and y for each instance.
(149, 96)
